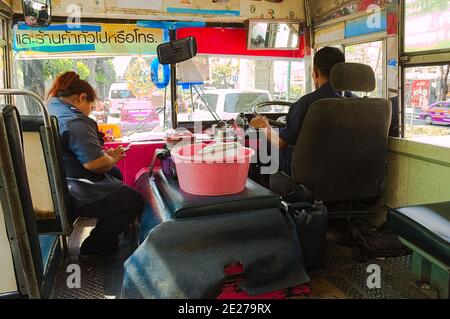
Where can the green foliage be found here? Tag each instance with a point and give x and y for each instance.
(83, 70)
(221, 75)
(296, 91)
(55, 67)
(426, 6)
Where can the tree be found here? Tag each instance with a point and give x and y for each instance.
(445, 70)
(54, 67)
(221, 74)
(83, 70)
(105, 75)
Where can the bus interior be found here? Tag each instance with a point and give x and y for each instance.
(365, 213)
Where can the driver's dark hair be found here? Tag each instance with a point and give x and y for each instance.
(326, 58)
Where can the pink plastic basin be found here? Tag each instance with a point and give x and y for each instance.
(199, 177)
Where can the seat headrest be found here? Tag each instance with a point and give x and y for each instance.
(352, 77)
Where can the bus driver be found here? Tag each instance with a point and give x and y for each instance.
(324, 60)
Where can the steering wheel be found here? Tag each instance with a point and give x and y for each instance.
(257, 106)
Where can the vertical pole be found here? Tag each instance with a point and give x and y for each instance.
(401, 69)
(173, 85)
(289, 81)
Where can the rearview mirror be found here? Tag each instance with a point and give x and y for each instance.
(177, 51)
(273, 34)
(37, 13)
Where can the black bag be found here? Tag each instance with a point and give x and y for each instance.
(311, 223)
(370, 242)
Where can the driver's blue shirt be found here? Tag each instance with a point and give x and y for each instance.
(295, 118)
(80, 144)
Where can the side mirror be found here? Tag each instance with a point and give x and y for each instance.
(177, 51)
(37, 13)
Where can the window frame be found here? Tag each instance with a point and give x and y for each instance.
(413, 59)
(417, 58)
(383, 40)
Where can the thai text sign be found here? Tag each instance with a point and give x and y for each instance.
(99, 39)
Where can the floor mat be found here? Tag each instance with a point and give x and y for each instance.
(341, 278)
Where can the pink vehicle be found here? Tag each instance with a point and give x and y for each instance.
(135, 112)
(437, 113)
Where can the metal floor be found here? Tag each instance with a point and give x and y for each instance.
(343, 278)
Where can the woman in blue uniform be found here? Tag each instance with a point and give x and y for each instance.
(95, 190)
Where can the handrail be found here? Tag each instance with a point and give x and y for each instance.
(44, 110)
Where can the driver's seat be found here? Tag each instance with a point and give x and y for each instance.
(340, 154)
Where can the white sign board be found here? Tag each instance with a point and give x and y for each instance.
(156, 5)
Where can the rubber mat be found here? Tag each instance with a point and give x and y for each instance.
(103, 278)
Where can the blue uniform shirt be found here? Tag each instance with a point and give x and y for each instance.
(80, 144)
(295, 118)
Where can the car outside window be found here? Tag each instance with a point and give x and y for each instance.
(244, 102)
(211, 99)
(122, 94)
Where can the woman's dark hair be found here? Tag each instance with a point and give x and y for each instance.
(68, 84)
(326, 58)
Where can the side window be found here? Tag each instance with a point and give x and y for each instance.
(372, 54)
(426, 90)
(211, 99)
(3, 50)
(128, 101)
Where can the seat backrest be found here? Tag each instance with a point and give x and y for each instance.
(49, 190)
(341, 149)
(17, 204)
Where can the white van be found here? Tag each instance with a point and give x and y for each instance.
(228, 103)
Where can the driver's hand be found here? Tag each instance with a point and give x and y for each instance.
(260, 122)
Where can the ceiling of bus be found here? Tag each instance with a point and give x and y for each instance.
(214, 10)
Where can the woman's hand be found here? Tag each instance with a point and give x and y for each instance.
(105, 163)
(116, 153)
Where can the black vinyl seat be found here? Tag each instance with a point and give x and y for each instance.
(49, 198)
(426, 226)
(36, 254)
(341, 152)
(426, 230)
(184, 205)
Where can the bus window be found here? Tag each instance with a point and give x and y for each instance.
(426, 85)
(427, 101)
(372, 54)
(127, 98)
(3, 54)
(232, 85)
(427, 25)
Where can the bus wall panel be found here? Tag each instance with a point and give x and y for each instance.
(158, 9)
(9, 3)
(37, 175)
(418, 173)
(7, 275)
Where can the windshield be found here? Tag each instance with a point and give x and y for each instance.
(244, 102)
